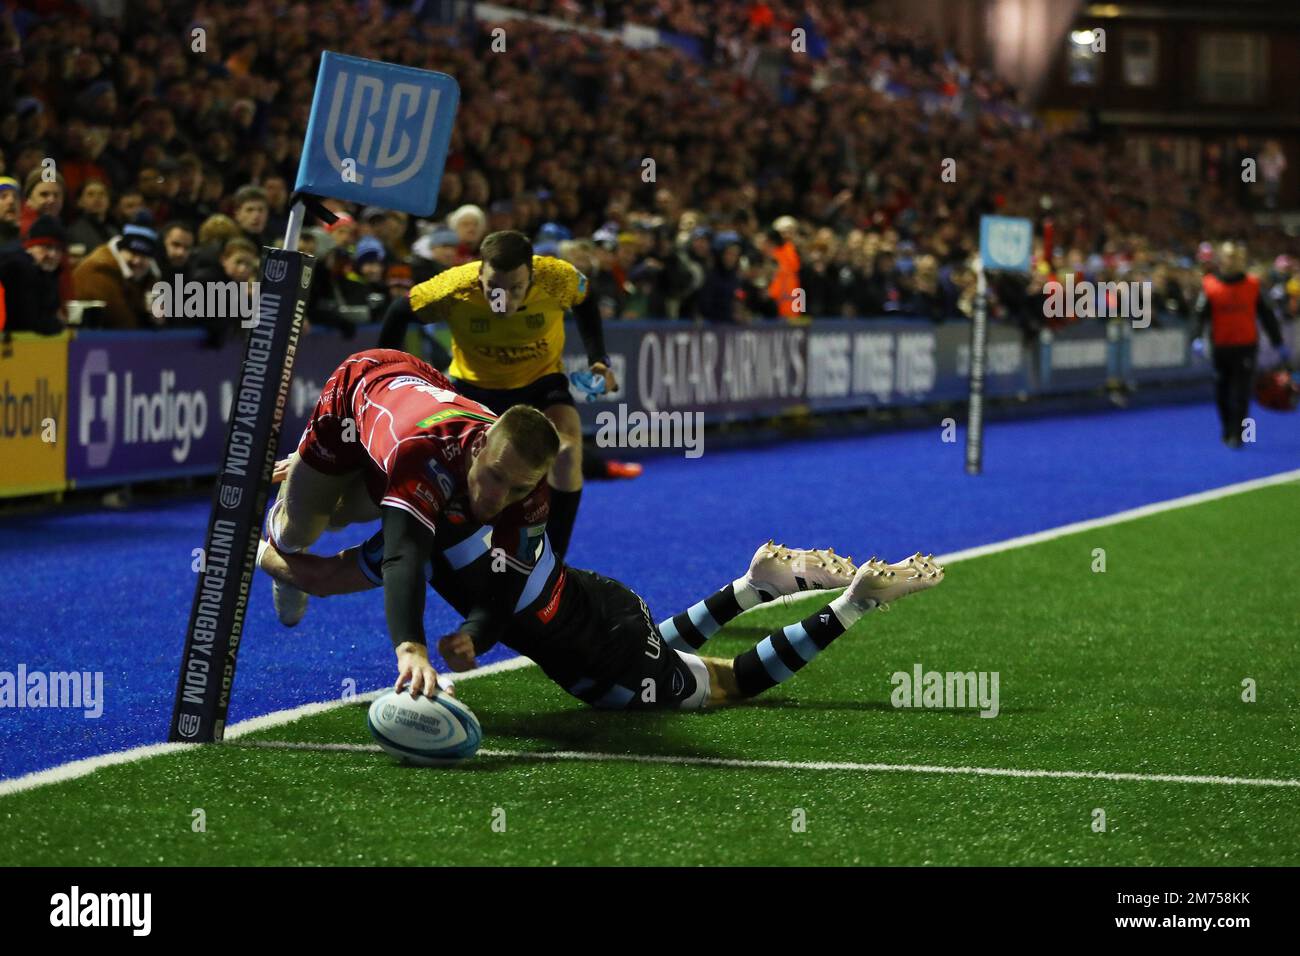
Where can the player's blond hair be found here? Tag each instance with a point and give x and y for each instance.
(530, 434)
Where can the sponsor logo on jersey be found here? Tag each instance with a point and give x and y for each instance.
(545, 614)
(424, 493)
(441, 477)
(535, 321)
(478, 325)
(514, 354)
(447, 413)
(404, 380)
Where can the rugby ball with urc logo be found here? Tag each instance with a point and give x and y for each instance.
(431, 732)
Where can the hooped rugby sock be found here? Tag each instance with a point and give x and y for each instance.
(690, 629)
(781, 655)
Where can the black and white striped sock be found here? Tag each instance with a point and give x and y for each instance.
(689, 630)
(782, 654)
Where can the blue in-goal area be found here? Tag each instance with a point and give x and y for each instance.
(108, 592)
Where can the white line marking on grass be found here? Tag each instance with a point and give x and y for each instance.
(88, 765)
(79, 768)
(557, 755)
(1119, 517)
(279, 717)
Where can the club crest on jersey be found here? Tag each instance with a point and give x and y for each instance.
(535, 541)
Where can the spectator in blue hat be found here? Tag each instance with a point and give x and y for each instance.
(365, 285)
(551, 232)
(121, 272)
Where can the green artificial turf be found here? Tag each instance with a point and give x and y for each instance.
(1138, 669)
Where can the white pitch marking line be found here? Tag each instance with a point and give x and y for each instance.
(557, 755)
(79, 768)
(88, 765)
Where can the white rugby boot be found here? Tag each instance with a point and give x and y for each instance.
(876, 583)
(776, 570)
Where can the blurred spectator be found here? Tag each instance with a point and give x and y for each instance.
(818, 282)
(236, 262)
(433, 252)
(470, 224)
(129, 204)
(29, 279)
(785, 280)
(366, 285)
(41, 198)
(250, 213)
(1272, 164)
(8, 209)
(276, 188)
(927, 299)
(120, 273)
(721, 293)
(177, 244)
(91, 228)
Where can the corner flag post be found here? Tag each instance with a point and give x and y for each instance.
(378, 134)
(1005, 245)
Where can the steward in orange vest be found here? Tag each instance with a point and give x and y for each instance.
(1230, 302)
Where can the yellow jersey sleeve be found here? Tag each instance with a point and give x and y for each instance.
(559, 281)
(433, 299)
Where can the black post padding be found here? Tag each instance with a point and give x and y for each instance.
(239, 500)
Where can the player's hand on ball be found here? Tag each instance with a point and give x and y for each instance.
(413, 666)
(281, 471)
(458, 651)
(607, 373)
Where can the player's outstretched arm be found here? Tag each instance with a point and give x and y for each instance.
(408, 547)
(591, 331)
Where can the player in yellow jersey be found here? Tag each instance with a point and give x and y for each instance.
(506, 314)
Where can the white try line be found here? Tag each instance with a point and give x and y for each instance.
(80, 768)
(557, 755)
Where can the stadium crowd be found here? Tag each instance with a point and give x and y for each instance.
(165, 145)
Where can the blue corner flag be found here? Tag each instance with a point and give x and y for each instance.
(378, 134)
(1006, 243)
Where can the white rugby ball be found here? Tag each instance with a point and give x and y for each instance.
(430, 732)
